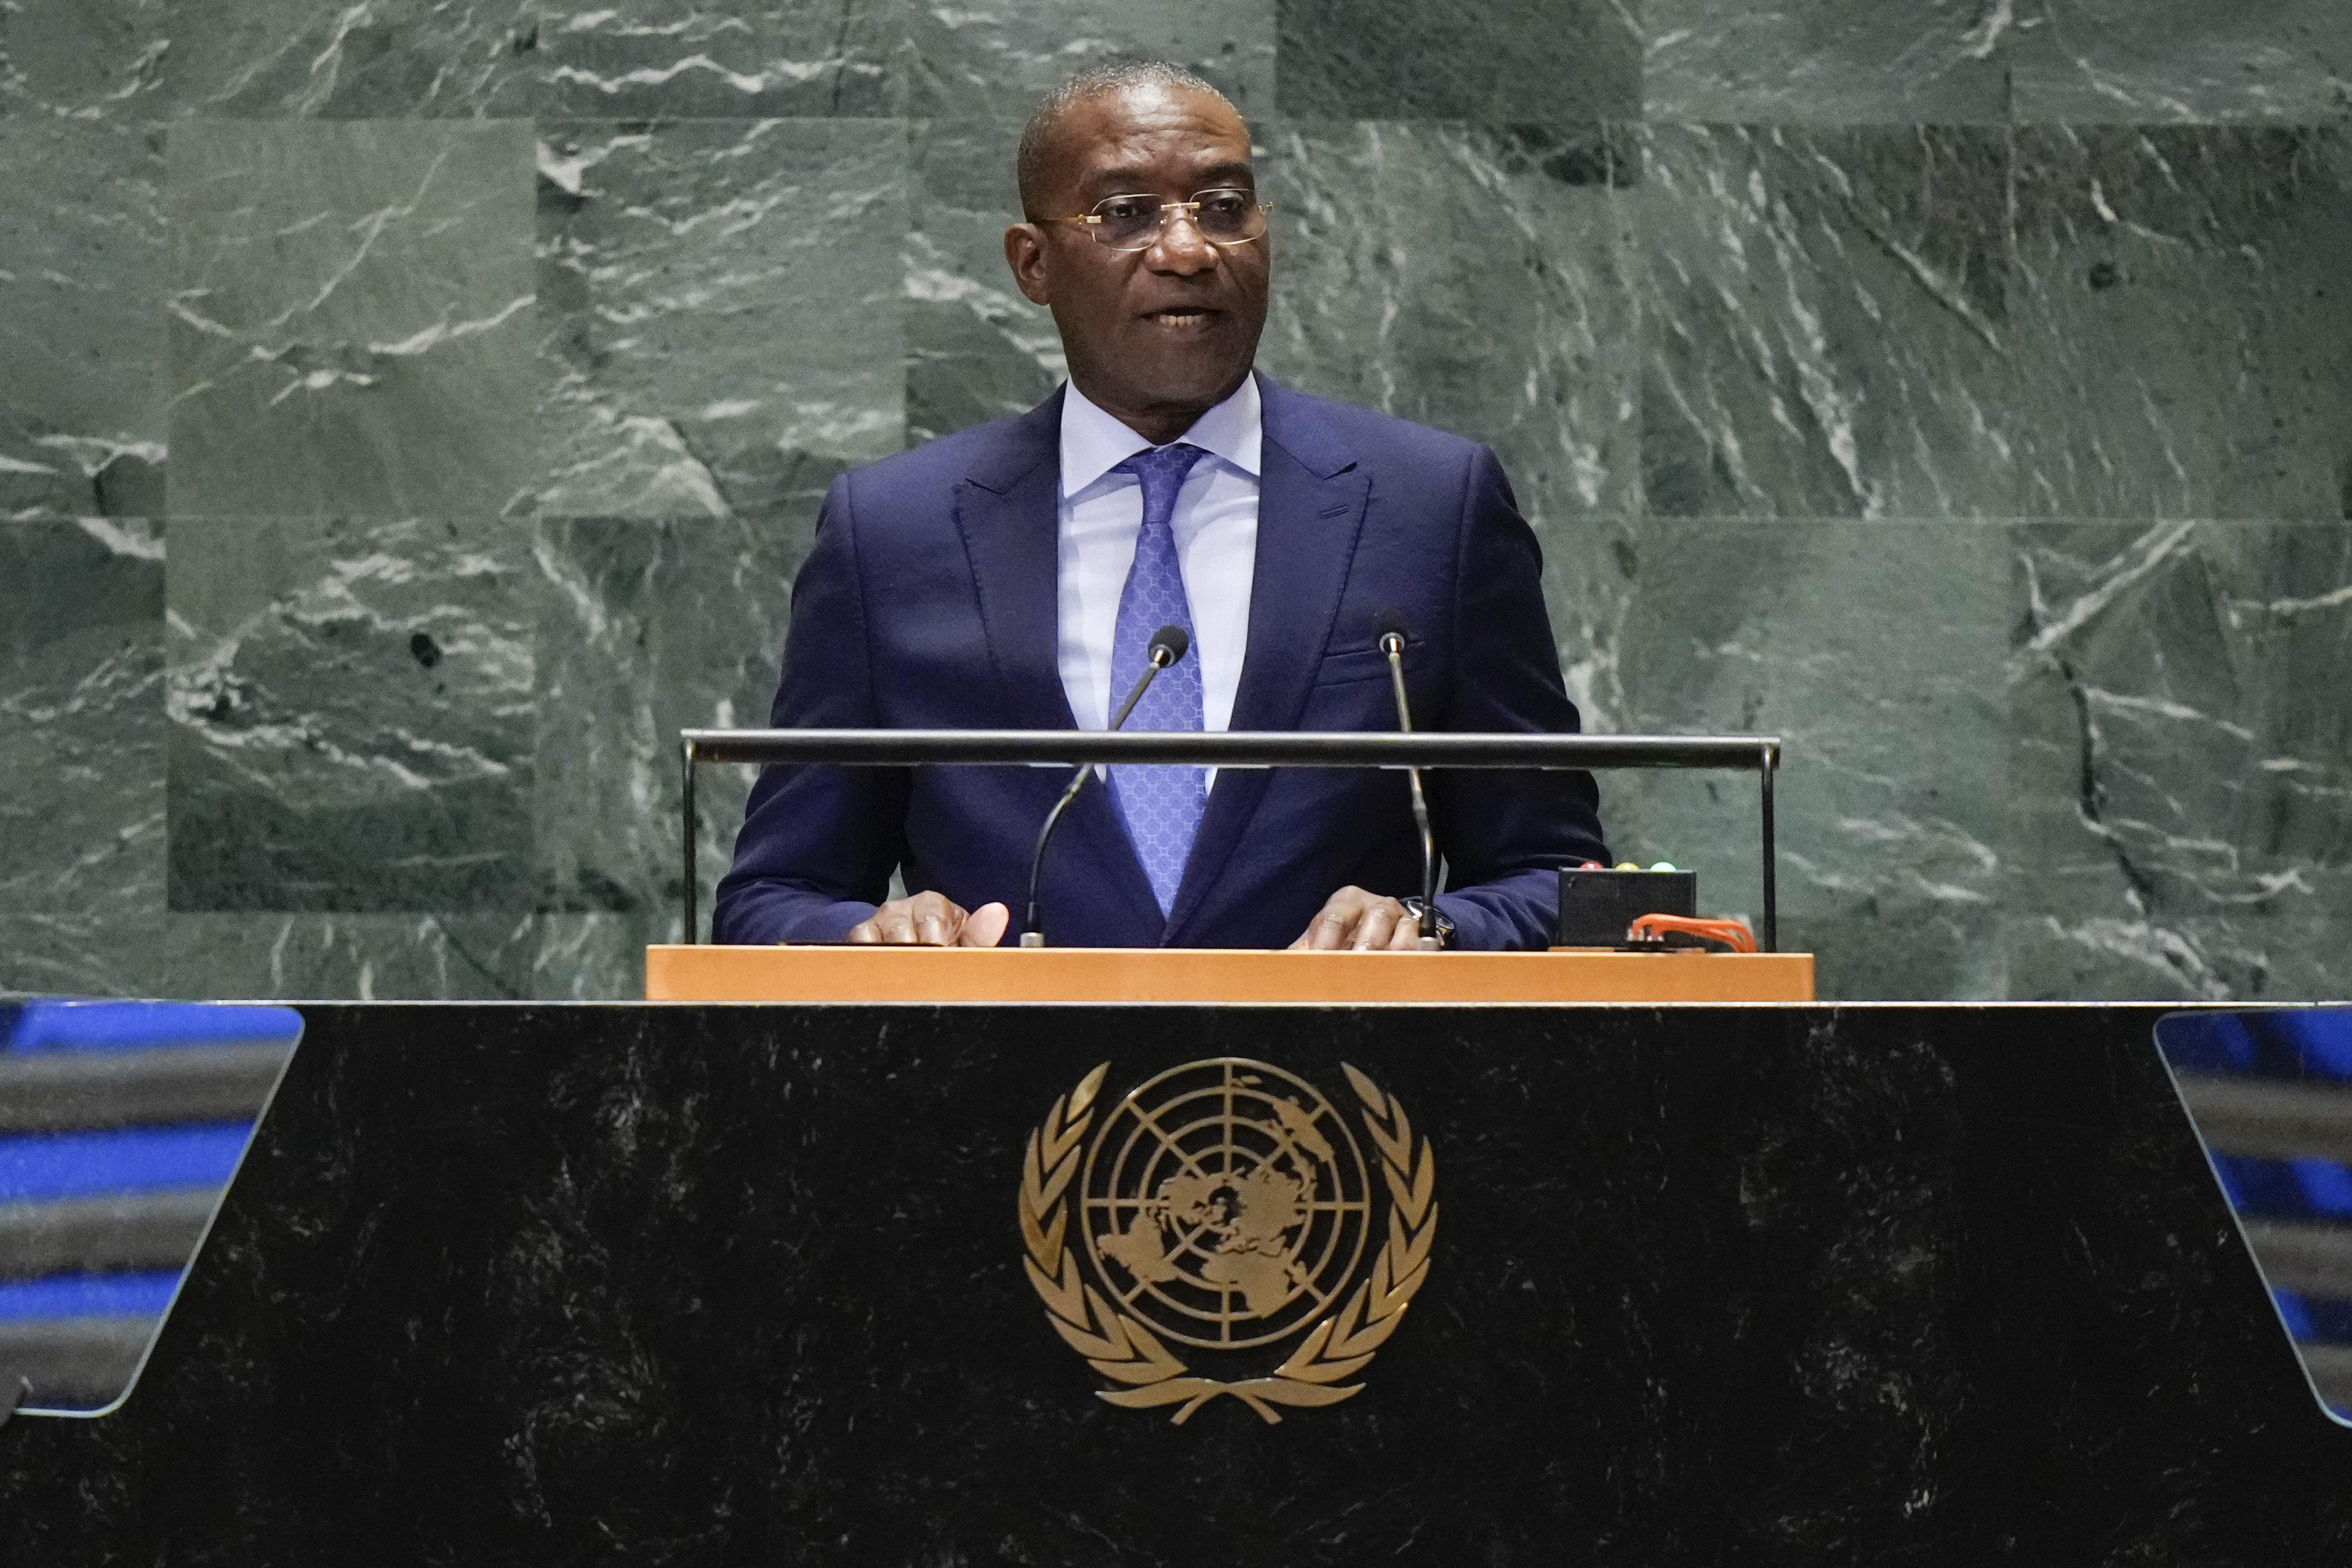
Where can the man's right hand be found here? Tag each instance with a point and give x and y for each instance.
(929, 920)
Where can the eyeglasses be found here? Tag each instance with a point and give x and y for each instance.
(1134, 222)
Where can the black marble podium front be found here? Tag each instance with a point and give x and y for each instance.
(680, 1285)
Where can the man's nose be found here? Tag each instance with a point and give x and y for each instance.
(1180, 247)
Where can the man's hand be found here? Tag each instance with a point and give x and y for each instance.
(929, 920)
(1365, 922)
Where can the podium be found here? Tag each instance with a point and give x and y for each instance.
(700, 973)
(561, 1283)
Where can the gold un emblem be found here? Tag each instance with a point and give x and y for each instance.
(1225, 1206)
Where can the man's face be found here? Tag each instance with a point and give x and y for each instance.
(1154, 336)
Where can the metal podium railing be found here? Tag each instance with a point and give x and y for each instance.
(1757, 754)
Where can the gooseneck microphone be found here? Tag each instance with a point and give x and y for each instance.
(1168, 645)
(1392, 643)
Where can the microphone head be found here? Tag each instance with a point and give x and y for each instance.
(1388, 623)
(1169, 644)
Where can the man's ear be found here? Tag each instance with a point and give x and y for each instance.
(1024, 252)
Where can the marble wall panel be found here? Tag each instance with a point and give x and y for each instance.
(595, 958)
(1829, 61)
(1875, 652)
(83, 955)
(1550, 62)
(650, 628)
(350, 318)
(81, 327)
(2158, 60)
(381, 957)
(2184, 333)
(722, 305)
(297, 956)
(2051, 958)
(81, 719)
(2182, 748)
(984, 62)
(86, 60)
(378, 59)
(1826, 326)
(673, 59)
(1466, 278)
(351, 715)
(1774, 374)
(976, 350)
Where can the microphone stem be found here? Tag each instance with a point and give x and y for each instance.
(1151, 670)
(1032, 934)
(1033, 927)
(1395, 648)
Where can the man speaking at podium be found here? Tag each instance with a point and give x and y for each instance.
(1013, 576)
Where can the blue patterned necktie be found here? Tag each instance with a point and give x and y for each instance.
(1162, 806)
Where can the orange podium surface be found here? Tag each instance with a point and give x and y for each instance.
(677, 973)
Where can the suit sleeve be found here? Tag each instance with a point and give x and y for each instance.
(1507, 834)
(819, 843)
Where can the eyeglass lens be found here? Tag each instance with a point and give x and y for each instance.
(1224, 217)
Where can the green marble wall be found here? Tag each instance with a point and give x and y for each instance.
(412, 412)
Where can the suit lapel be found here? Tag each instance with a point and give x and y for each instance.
(1006, 512)
(1310, 512)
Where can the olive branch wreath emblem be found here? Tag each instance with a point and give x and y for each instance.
(1121, 1348)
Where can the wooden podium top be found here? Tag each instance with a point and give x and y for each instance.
(677, 973)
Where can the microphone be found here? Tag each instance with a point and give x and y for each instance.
(1390, 626)
(1169, 644)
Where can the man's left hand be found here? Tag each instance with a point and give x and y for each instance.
(1364, 922)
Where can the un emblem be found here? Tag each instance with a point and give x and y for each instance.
(1226, 1206)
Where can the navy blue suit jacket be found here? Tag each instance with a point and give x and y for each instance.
(929, 601)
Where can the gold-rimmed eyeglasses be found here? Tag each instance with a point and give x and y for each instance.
(1223, 217)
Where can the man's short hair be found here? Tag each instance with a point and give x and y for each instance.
(1103, 77)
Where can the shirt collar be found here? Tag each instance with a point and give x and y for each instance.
(1093, 442)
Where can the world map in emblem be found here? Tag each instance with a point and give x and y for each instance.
(1226, 1203)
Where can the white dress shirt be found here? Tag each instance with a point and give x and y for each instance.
(1100, 514)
